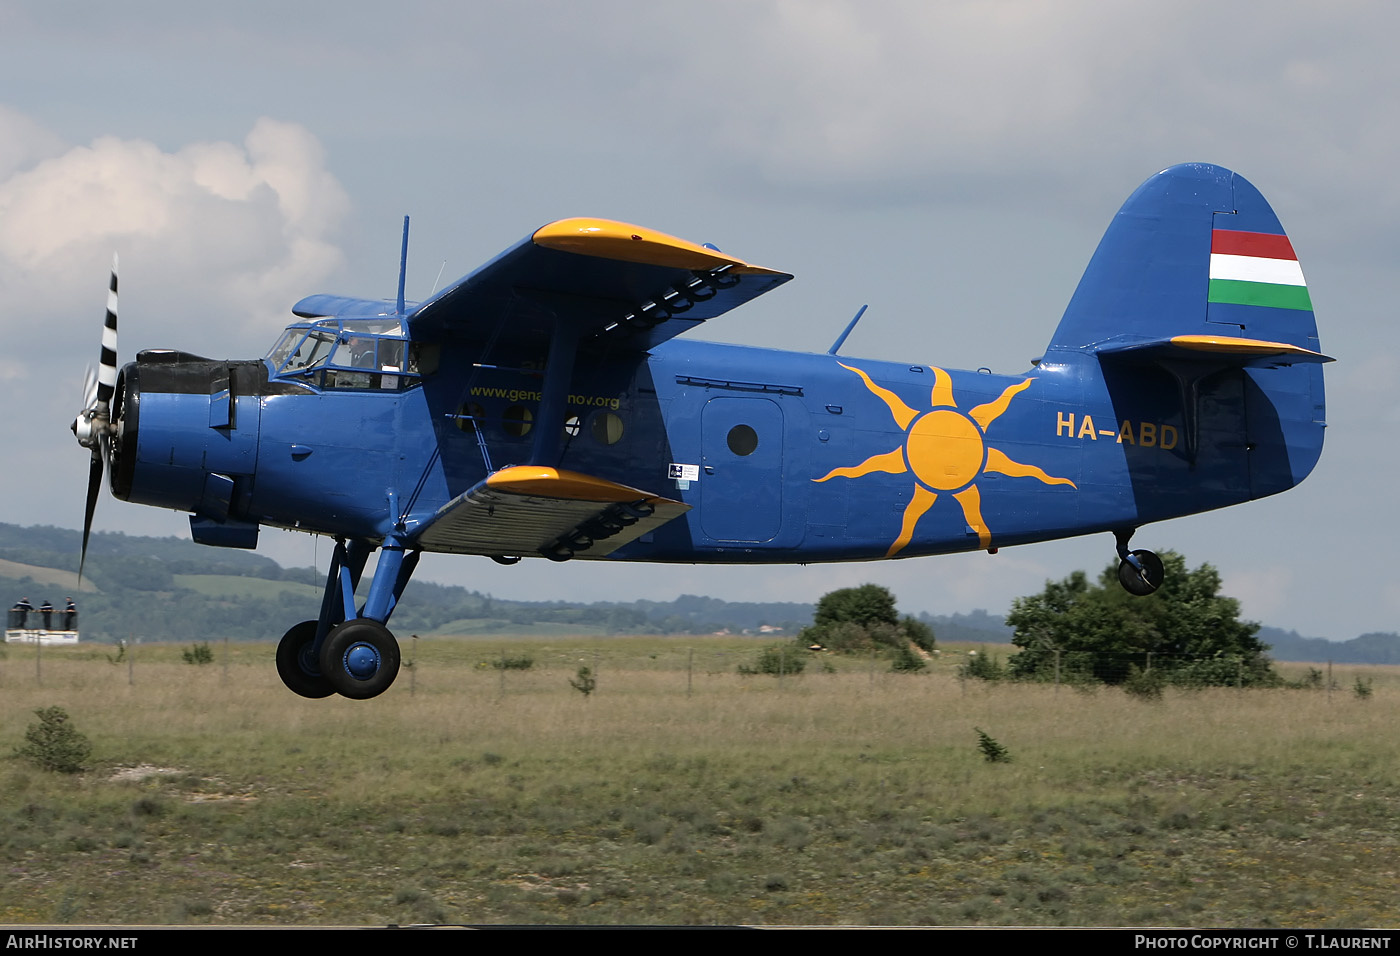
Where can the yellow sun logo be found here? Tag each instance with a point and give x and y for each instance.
(946, 450)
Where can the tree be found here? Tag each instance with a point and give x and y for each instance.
(54, 743)
(855, 620)
(1187, 629)
(866, 606)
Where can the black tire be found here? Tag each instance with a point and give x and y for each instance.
(1146, 581)
(295, 665)
(360, 659)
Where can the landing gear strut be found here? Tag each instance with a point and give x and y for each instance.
(1140, 572)
(348, 651)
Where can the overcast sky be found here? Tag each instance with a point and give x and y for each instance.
(900, 154)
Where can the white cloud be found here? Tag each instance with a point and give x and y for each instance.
(217, 240)
(23, 142)
(215, 230)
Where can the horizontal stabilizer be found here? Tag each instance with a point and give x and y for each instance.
(529, 510)
(1223, 351)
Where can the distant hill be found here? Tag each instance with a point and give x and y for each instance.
(171, 589)
(979, 627)
(1375, 648)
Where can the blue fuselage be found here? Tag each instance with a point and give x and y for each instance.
(783, 457)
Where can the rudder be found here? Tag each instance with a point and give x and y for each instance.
(1196, 276)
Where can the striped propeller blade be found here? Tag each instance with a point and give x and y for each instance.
(89, 387)
(93, 426)
(107, 366)
(94, 488)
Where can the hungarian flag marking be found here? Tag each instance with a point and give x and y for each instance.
(1256, 268)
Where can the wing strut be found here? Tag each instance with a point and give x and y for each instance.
(554, 397)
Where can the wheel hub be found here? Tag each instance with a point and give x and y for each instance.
(306, 657)
(362, 661)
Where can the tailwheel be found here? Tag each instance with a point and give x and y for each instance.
(1141, 572)
(297, 665)
(360, 658)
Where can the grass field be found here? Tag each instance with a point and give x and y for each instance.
(680, 792)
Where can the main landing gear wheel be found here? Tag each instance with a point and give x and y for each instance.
(1141, 573)
(297, 666)
(360, 658)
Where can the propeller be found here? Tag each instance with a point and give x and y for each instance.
(93, 426)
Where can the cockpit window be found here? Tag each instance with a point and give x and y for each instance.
(313, 350)
(358, 354)
(280, 352)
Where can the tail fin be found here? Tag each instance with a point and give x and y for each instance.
(1196, 276)
(1195, 251)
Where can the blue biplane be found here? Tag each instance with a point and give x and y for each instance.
(546, 405)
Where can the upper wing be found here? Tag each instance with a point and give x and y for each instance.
(623, 284)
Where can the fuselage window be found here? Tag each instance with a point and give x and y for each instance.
(606, 428)
(469, 417)
(743, 440)
(517, 421)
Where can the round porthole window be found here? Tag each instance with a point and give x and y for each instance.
(572, 426)
(606, 428)
(743, 440)
(470, 416)
(517, 421)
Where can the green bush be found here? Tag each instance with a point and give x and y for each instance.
(981, 666)
(777, 660)
(199, 654)
(55, 744)
(584, 682)
(522, 662)
(1187, 629)
(839, 637)
(1144, 684)
(859, 620)
(906, 660)
(918, 632)
(992, 752)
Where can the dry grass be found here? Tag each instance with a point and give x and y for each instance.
(851, 797)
